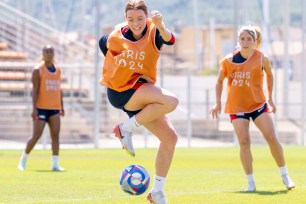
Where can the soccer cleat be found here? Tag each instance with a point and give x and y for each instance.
(288, 182)
(251, 187)
(58, 168)
(125, 138)
(22, 164)
(157, 198)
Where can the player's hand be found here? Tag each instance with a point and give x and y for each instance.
(272, 107)
(215, 110)
(157, 19)
(62, 112)
(34, 114)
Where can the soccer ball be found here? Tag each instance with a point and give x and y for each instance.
(135, 180)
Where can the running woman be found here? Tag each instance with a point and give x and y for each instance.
(245, 69)
(47, 106)
(129, 73)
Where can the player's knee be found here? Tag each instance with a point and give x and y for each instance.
(55, 138)
(172, 140)
(244, 143)
(34, 138)
(172, 103)
(272, 140)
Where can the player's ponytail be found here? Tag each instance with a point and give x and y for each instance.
(259, 36)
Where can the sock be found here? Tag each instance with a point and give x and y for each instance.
(55, 159)
(23, 158)
(283, 170)
(24, 155)
(159, 184)
(250, 178)
(130, 124)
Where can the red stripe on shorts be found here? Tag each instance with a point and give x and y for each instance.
(137, 85)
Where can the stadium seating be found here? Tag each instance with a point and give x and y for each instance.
(16, 105)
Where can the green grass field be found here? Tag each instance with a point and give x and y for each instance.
(197, 175)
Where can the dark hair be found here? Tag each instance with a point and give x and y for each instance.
(47, 47)
(136, 5)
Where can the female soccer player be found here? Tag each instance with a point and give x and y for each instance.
(47, 106)
(245, 70)
(129, 73)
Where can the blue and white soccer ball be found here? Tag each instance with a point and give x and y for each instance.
(135, 180)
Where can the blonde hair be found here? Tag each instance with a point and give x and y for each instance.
(136, 5)
(254, 31)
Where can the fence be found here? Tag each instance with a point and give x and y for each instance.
(191, 119)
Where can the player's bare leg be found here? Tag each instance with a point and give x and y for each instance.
(164, 131)
(153, 102)
(55, 126)
(38, 127)
(241, 127)
(265, 125)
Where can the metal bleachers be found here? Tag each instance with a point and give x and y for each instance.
(16, 106)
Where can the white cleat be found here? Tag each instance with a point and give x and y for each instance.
(157, 198)
(21, 168)
(288, 182)
(251, 187)
(125, 138)
(22, 164)
(58, 168)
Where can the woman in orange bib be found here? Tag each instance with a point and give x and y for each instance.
(129, 73)
(244, 70)
(47, 106)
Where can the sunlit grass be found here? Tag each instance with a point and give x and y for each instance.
(198, 175)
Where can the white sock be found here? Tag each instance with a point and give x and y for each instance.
(159, 184)
(130, 124)
(283, 170)
(24, 155)
(55, 159)
(250, 178)
(23, 158)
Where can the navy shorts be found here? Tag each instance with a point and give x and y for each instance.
(252, 115)
(45, 114)
(119, 99)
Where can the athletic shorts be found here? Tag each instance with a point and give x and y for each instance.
(119, 99)
(45, 114)
(252, 115)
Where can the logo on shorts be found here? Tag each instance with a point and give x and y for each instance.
(239, 114)
(259, 110)
(42, 116)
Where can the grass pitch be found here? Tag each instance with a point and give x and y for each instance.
(197, 176)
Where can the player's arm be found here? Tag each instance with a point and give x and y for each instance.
(219, 86)
(157, 19)
(269, 81)
(62, 111)
(35, 84)
(216, 109)
(159, 39)
(103, 44)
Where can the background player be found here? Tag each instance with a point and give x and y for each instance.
(47, 106)
(245, 69)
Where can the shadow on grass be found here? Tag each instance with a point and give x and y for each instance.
(49, 171)
(265, 193)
